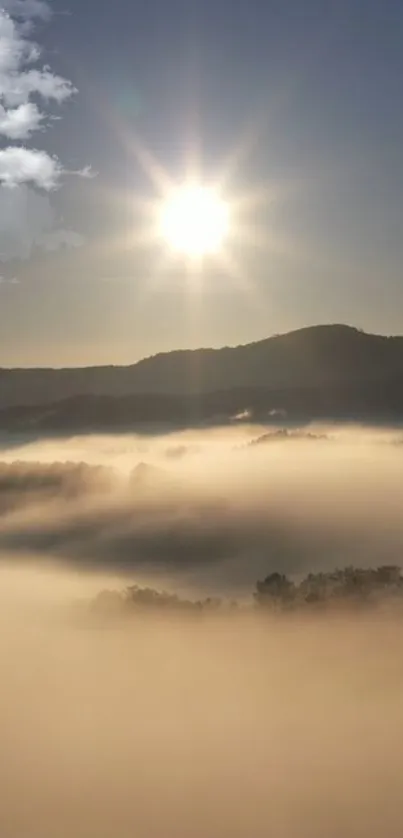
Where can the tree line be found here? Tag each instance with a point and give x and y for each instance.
(349, 586)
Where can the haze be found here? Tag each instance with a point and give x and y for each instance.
(234, 725)
(210, 508)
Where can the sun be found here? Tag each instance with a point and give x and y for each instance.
(194, 220)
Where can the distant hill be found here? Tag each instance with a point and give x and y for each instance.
(310, 357)
(331, 371)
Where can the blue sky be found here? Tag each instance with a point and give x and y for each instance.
(318, 84)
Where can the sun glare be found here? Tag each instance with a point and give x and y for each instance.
(194, 220)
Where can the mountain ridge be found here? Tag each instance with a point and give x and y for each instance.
(322, 358)
(303, 330)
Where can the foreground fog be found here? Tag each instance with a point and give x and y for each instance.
(213, 509)
(238, 726)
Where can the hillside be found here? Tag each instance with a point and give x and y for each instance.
(316, 358)
(324, 372)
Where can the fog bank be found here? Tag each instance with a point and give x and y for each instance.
(206, 509)
(176, 728)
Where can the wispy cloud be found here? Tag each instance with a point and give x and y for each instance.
(19, 82)
(28, 9)
(27, 92)
(28, 221)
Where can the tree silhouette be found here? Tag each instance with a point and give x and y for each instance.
(350, 586)
(276, 590)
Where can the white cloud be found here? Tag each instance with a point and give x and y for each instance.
(19, 123)
(28, 9)
(19, 164)
(27, 220)
(19, 82)
(25, 165)
(15, 50)
(16, 88)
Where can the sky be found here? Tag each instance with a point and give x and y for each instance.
(295, 106)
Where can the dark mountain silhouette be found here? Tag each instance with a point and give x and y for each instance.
(310, 357)
(324, 372)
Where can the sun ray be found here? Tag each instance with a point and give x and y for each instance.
(152, 167)
(232, 269)
(241, 150)
(160, 223)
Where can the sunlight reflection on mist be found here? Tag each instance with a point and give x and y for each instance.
(211, 509)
